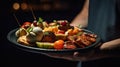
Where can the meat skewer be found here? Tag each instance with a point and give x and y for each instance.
(33, 14)
(17, 20)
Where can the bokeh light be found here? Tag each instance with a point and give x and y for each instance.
(16, 6)
(24, 6)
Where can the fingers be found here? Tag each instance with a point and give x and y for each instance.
(86, 56)
(111, 45)
(79, 56)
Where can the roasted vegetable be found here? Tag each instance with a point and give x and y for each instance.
(61, 36)
(23, 40)
(20, 32)
(45, 45)
(48, 36)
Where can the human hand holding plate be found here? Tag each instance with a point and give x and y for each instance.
(93, 54)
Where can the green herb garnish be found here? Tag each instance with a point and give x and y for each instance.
(54, 20)
(40, 20)
(29, 29)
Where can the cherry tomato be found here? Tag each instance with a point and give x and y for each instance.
(59, 44)
(26, 25)
(63, 23)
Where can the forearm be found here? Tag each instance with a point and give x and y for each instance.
(114, 44)
(82, 17)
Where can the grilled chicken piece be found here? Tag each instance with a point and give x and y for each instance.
(82, 40)
(23, 40)
(69, 45)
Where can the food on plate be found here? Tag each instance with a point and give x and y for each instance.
(23, 40)
(54, 35)
(26, 25)
(31, 37)
(39, 33)
(61, 36)
(48, 36)
(64, 25)
(46, 45)
(21, 32)
(59, 44)
(69, 45)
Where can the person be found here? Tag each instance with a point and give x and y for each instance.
(101, 17)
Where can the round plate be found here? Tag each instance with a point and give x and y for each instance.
(12, 38)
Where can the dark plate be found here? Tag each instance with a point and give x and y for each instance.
(12, 38)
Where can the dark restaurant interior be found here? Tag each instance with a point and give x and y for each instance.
(49, 10)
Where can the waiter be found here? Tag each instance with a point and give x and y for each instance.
(103, 19)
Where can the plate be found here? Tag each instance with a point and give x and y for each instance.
(13, 39)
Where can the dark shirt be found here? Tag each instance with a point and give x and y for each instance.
(104, 19)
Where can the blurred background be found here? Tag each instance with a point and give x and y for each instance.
(49, 10)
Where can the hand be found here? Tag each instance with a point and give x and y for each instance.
(93, 54)
(75, 56)
(111, 45)
(79, 56)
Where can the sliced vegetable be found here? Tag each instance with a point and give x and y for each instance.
(45, 45)
(29, 29)
(61, 37)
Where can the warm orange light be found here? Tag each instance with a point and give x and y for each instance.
(16, 6)
(24, 6)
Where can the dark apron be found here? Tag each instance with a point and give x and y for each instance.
(103, 19)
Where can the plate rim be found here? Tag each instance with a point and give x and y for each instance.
(37, 49)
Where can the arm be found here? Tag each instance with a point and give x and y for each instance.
(94, 54)
(82, 17)
(111, 45)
